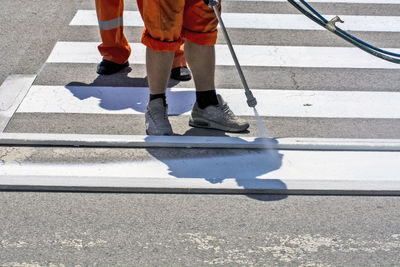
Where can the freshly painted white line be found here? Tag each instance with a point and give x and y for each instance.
(12, 91)
(248, 55)
(328, 1)
(249, 170)
(138, 141)
(272, 103)
(265, 21)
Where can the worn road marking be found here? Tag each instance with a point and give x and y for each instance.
(12, 92)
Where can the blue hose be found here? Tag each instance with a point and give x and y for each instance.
(314, 11)
(318, 18)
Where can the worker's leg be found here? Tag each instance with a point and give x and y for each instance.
(163, 20)
(158, 66)
(201, 59)
(179, 69)
(209, 111)
(114, 47)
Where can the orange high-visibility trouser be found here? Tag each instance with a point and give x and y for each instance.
(169, 22)
(114, 46)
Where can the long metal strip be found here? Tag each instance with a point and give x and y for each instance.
(143, 141)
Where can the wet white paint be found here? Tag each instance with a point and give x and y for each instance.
(284, 165)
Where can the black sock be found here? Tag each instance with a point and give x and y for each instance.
(152, 97)
(206, 98)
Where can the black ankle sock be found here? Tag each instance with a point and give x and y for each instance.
(206, 98)
(152, 97)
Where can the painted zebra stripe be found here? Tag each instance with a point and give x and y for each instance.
(268, 169)
(248, 55)
(272, 103)
(265, 21)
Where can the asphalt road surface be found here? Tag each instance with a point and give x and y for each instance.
(104, 229)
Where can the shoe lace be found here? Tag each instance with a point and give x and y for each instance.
(227, 112)
(158, 119)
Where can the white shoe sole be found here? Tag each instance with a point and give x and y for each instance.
(201, 123)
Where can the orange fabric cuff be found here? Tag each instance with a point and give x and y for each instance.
(201, 38)
(159, 46)
(114, 46)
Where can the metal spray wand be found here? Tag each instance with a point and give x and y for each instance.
(251, 100)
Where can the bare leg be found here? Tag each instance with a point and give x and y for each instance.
(201, 60)
(158, 66)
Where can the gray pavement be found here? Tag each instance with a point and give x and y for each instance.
(71, 229)
(277, 126)
(226, 77)
(53, 229)
(28, 31)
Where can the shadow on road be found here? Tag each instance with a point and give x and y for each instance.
(248, 168)
(120, 92)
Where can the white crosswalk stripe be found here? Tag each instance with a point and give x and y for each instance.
(264, 21)
(248, 55)
(272, 103)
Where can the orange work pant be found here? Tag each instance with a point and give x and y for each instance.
(169, 22)
(114, 46)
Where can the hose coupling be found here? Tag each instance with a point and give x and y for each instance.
(331, 25)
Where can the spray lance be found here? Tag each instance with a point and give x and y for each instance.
(251, 101)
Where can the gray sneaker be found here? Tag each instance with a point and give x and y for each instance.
(218, 117)
(156, 118)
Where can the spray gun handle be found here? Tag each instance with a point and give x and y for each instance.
(211, 3)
